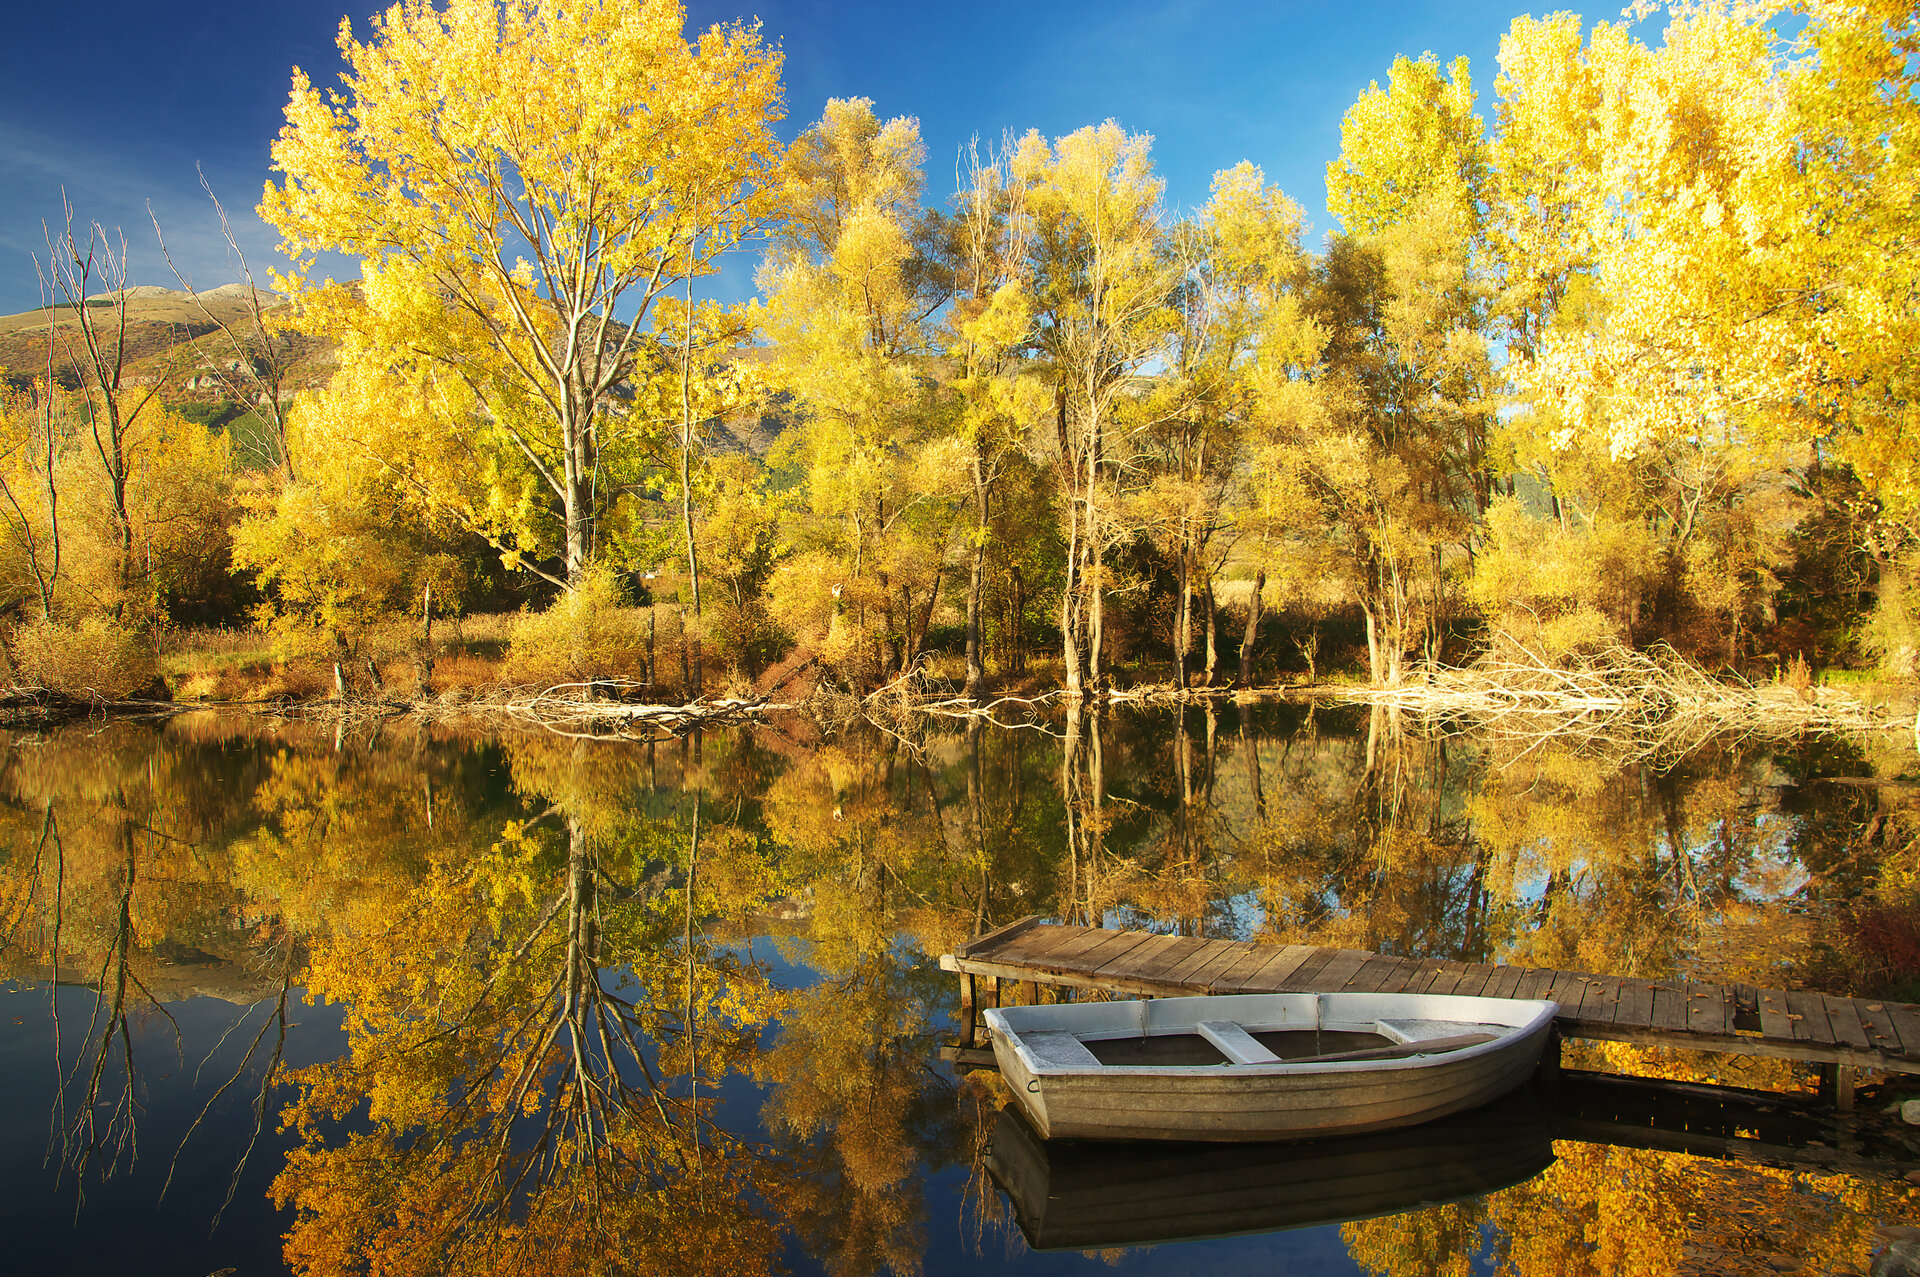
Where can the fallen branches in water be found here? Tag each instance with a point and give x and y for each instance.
(563, 710)
(1646, 703)
(40, 707)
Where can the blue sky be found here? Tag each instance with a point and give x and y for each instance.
(118, 101)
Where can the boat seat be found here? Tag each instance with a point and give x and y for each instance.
(1061, 1050)
(1421, 1030)
(1236, 1043)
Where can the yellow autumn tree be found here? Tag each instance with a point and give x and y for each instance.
(1098, 284)
(341, 548)
(849, 297)
(1851, 224)
(107, 539)
(1641, 214)
(521, 183)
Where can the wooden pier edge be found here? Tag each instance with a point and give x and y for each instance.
(1843, 1036)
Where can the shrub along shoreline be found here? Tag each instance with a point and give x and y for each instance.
(612, 671)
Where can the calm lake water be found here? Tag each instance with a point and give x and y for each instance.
(431, 999)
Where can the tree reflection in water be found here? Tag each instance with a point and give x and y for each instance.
(575, 1041)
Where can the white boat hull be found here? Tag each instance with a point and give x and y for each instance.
(1067, 1094)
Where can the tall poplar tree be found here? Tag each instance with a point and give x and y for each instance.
(851, 289)
(1100, 281)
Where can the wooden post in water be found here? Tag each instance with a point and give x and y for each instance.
(1836, 1086)
(967, 1001)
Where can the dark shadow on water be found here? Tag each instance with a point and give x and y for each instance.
(1088, 1195)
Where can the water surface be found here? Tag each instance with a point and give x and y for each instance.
(429, 998)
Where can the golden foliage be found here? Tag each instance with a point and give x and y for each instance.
(588, 633)
(512, 176)
(92, 658)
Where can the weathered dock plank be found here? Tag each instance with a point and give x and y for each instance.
(1741, 1019)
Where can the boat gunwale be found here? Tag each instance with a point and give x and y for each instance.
(1538, 1022)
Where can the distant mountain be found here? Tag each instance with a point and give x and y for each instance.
(158, 320)
(173, 335)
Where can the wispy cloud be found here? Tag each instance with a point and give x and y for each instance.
(116, 186)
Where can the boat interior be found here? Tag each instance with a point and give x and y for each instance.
(1292, 1030)
(1195, 1049)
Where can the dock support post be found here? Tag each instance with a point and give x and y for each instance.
(967, 1013)
(1836, 1086)
(1547, 1072)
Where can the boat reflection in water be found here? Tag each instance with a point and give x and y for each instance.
(1087, 1194)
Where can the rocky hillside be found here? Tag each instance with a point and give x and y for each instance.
(160, 321)
(174, 337)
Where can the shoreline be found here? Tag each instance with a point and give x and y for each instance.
(1573, 703)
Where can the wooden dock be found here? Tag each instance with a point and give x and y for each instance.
(1842, 1035)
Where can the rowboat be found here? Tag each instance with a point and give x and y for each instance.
(1274, 1066)
(1081, 1195)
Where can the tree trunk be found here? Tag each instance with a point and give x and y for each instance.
(425, 665)
(926, 614)
(1182, 623)
(689, 661)
(1097, 635)
(975, 689)
(686, 493)
(1071, 602)
(578, 497)
(1213, 634)
(1017, 628)
(686, 674)
(1095, 573)
(1373, 644)
(1070, 643)
(1253, 628)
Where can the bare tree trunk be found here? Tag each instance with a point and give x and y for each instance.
(42, 554)
(263, 371)
(686, 496)
(425, 665)
(577, 502)
(1016, 627)
(1182, 623)
(1096, 563)
(1373, 644)
(926, 615)
(975, 689)
(1097, 635)
(1213, 633)
(77, 273)
(686, 675)
(1071, 601)
(1254, 606)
